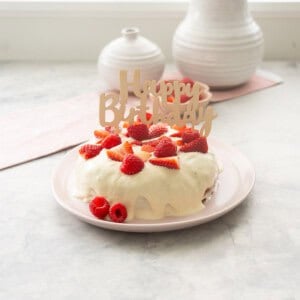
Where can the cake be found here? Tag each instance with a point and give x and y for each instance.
(145, 172)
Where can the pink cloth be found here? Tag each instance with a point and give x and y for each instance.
(34, 133)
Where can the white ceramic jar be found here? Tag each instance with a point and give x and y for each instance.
(218, 43)
(130, 52)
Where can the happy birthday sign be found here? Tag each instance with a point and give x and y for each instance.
(195, 111)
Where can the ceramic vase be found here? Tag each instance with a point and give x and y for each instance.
(129, 52)
(218, 43)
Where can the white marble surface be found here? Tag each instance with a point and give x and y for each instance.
(251, 253)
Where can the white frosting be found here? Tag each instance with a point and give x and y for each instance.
(153, 193)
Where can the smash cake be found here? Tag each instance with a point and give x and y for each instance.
(148, 166)
(145, 172)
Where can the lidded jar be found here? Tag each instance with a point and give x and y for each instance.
(129, 52)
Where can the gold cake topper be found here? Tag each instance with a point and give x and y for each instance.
(195, 111)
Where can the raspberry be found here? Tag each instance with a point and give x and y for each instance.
(189, 135)
(167, 162)
(165, 148)
(131, 164)
(138, 131)
(157, 130)
(197, 145)
(89, 151)
(99, 207)
(118, 213)
(111, 141)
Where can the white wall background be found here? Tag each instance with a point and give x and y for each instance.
(77, 30)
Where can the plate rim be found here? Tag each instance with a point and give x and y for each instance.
(159, 225)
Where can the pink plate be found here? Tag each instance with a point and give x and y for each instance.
(235, 183)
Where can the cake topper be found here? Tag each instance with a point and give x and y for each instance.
(195, 113)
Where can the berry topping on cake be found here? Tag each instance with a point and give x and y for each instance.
(143, 155)
(138, 131)
(115, 155)
(187, 80)
(127, 148)
(111, 141)
(118, 213)
(189, 135)
(197, 145)
(132, 164)
(99, 207)
(148, 117)
(167, 162)
(148, 148)
(157, 130)
(100, 134)
(165, 148)
(89, 151)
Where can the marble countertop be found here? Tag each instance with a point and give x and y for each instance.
(251, 253)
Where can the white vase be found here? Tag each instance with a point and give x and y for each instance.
(130, 52)
(218, 43)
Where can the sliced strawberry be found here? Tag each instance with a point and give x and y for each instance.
(100, 134)
(197, 145)
(187, 80)
(179, 128)
(148, 117)
(127, 148)
(189, 135)
(137, 143)
(138, 131)
(148, 148)
(143, 155)
(165, 148)
(184, 98)
(111, 141)
(114, 155)
(89, 151)
(170, 99)
(179, 142)
(125, 125)
(167, 162)
(176, 134)
(131, 164)
(157, 130)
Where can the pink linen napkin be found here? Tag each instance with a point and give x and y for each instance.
(34, 133)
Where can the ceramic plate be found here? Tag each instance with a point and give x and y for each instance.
(235, 183)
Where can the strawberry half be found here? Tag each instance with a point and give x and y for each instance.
(157, 130)
(197, 145)
(127, 148)
(131, 164)
(111, 141)
(114, 155)
(167, 162)
(165, 148)
(138, 131)
(89, 151)
(148, 148)
(100, 134)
